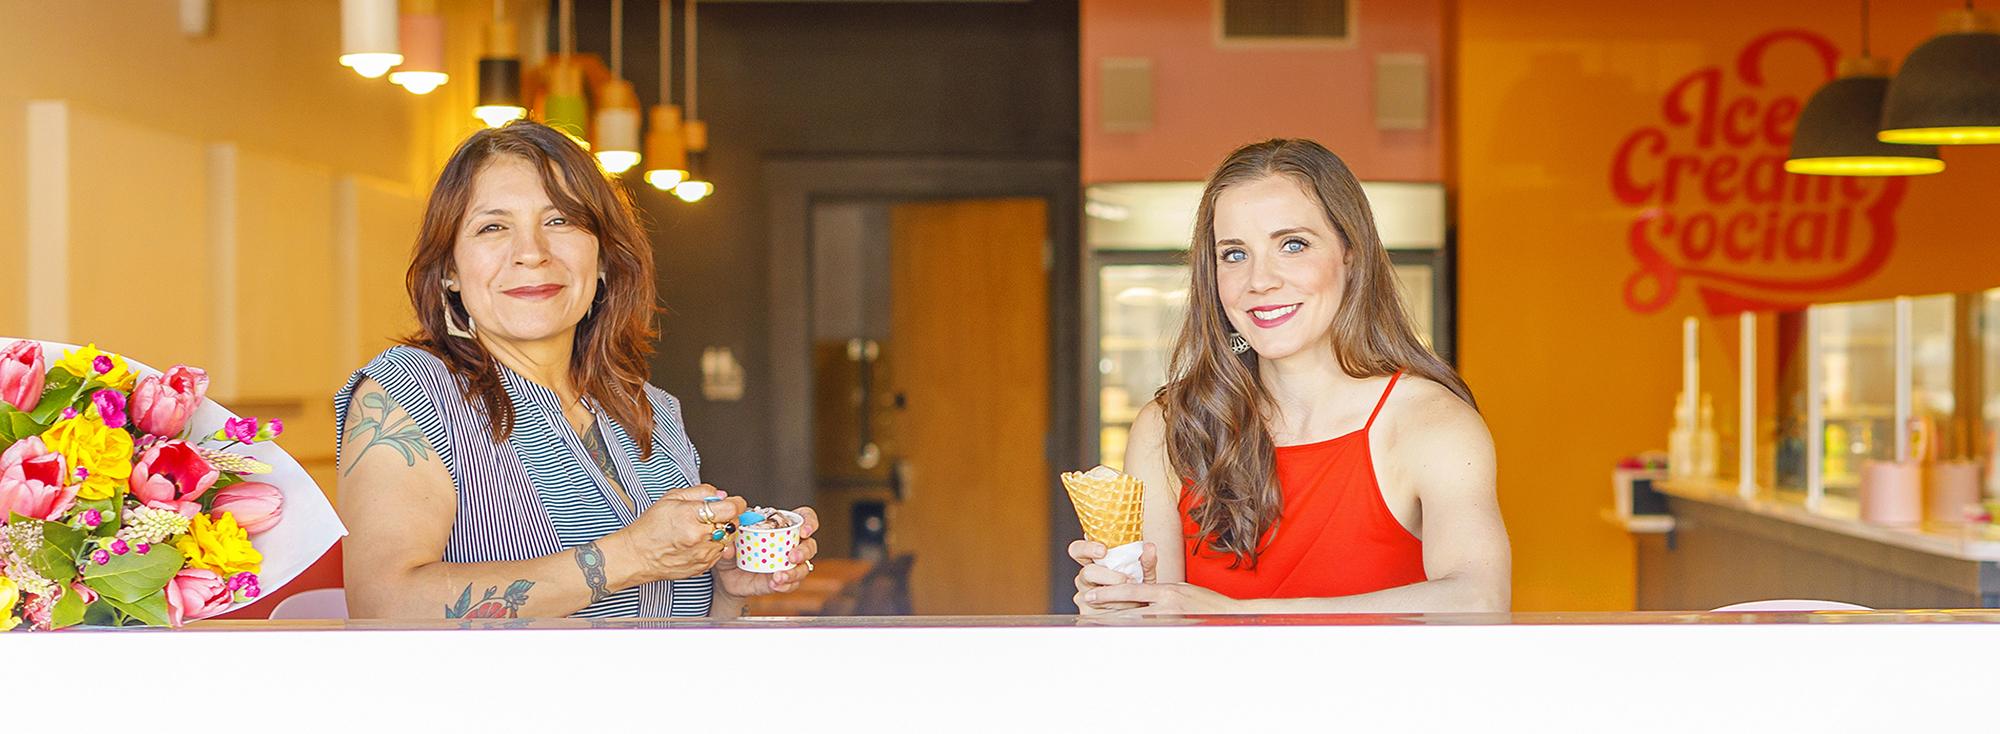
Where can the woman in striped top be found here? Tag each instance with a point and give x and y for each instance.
(510, 459)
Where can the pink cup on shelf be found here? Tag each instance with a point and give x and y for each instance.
(768, 550)
(1892, 493)
(1954, 491)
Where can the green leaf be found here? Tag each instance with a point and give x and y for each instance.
(150, 610)
(18, 425)
(100, 614)
(56, 559)
(68, 610)
(134, 576)
(63, 391)
(464, 603)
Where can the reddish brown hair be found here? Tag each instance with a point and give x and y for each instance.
(610, 361)
(1216, 403)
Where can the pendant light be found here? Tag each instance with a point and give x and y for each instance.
(1948, 92)
(666, 152)
(564, 108)
(368, 36)
(500, 72)
(694, 132)
(617, 129)
(1835, 135)
(422, 36)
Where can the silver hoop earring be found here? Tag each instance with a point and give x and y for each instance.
(1238, 344)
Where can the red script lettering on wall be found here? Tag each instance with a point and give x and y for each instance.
(1713, 206)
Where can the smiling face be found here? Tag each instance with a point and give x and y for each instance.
(524, 270)
(1280, 268)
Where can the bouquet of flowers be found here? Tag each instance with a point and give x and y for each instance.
(128, 498)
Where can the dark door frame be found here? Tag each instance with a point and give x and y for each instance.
(792, 187)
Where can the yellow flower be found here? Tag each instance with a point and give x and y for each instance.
(82, 364)
(10, 594)
(219, 546)
(104, 452)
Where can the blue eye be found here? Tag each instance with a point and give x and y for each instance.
(1293, 246)
(1234, 255)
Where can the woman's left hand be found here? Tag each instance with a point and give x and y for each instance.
(743, 584)
(1161, 599)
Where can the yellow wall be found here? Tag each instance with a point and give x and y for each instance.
(1570, 373)
(238, 201)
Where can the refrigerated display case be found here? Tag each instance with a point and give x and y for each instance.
(1136, 279)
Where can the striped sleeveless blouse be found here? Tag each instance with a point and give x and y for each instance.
(539, 492)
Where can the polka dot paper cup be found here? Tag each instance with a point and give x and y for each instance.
(768, 550)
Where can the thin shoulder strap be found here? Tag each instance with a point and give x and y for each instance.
(1383, 401)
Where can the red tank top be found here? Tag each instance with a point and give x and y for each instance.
(1335, 536)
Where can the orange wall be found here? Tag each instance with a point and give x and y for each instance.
(1571, 370)
(1208, 98)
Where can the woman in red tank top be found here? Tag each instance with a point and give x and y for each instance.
(1310, 454)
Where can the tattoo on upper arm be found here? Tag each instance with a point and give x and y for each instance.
(490, 606)
(591, 560)
(401, 434)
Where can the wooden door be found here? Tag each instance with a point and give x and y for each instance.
(969, 337)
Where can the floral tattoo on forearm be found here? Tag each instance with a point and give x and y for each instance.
(493, 605)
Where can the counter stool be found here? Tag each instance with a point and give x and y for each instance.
(314, 604)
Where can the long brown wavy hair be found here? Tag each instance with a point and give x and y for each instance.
(1215, 405)
(610, 359)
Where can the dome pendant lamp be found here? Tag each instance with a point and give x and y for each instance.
(1835, 135)
(1948, 92)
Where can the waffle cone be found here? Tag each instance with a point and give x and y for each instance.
(1108, 508)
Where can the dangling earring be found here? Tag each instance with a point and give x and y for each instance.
(1238, 344)
(450, 322)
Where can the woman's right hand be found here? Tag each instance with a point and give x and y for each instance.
(1094, 574)
(671, 541)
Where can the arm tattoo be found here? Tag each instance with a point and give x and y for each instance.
(401, 434)
(490, 606)
(591, 560)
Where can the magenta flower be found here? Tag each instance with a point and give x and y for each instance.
(119, 548)
(110, 406)
(102, 364)
(243, 430)
(92, 518)
(101, 557)
(276, 428)
(145, 548)
(23, 373)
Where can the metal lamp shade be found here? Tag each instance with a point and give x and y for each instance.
(1948, 92)
(1836, 135)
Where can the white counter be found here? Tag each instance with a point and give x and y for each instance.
(1576, 672)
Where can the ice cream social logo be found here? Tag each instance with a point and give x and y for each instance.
(1714, 208)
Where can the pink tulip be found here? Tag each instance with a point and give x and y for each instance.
(255, 505)
(171, 471)
(23, 373)
(162, 405)
(195, 593)
(31, 481)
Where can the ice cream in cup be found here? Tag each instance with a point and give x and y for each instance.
(766, 546)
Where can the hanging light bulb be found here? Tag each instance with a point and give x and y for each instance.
(617, 129)
(696, 187)
(368, 36)
(564, 108)
(1948, 92)
(422, 35)
(617, 126)
(666, 153)
(694, 134)
(1835, 135)
(500, 73)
